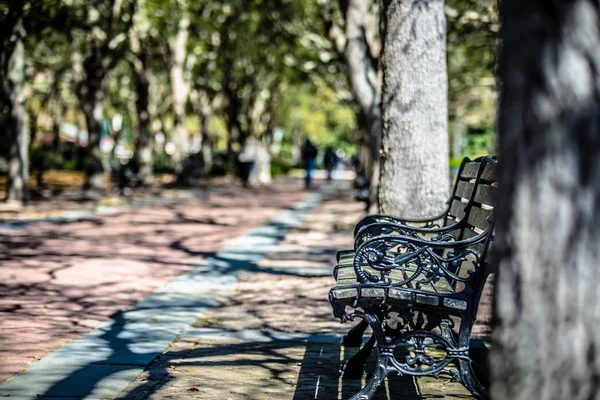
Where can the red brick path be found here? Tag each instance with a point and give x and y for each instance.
(61, 280)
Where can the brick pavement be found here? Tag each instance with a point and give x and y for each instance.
(60, 280)
(274, 336)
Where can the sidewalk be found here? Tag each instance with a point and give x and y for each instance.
(274, 336)
(60, 279)
(244, 320)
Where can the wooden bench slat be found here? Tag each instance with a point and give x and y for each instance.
(347, 277)
(478, 217)
(489, 172)
(464, 189)
(486, 194)
(470, 170)
(457, 209)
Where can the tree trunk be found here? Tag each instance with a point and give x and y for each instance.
(33, 120)
(547, 300)
(179, 92)
(138, 39)
(234, 131)
(204, 118)
(206, 144)
(56, 111)
(144, 142)
(365, 83)
(91, 103)
(414, 170)
(18, 168)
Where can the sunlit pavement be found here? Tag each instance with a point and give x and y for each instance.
(274, 336)
(61, 279)
(262, 326)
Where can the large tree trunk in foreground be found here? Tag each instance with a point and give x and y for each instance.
(414, 168)
(547, 304)
(18, 167)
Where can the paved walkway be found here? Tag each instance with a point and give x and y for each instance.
(251, 321)
(273, 336)
(60, 280)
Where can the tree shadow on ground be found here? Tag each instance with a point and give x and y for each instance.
(275, 368)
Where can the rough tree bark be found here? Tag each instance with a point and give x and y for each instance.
(414, 169)
(12, 64)
(547, 302)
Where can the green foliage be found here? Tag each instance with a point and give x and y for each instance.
(316, 112)
(261, 64)
(281, 165)
(479, 141)
(473, 27)
(161, 163)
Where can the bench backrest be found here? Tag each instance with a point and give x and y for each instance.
(478, 209)
(472, 209)
(475, 214)
(466, 182)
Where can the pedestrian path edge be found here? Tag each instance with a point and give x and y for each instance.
(103, 362)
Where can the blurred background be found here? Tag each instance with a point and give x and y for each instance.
(125, 93)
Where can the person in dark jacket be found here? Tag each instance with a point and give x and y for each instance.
(330, 161)
(309, 157)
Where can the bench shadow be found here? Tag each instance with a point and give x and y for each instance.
(320, 378)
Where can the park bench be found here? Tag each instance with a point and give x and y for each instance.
(418, 287)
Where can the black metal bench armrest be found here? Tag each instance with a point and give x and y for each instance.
(421, 258)
(375, 218)
(387, 228)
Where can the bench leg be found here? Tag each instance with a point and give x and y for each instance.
(354, 336)
(467, 374)
(470, 380)
(376, 380)
(355, 366)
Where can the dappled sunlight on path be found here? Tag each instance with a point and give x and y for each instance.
(60, 280)
(274, 335)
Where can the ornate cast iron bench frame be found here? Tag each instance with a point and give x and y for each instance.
(419, 287)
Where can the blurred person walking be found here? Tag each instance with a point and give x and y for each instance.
(330, 160)
(309, 156)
